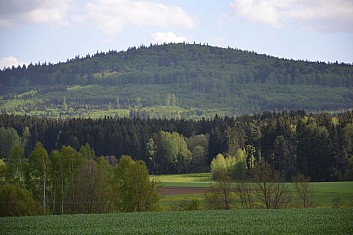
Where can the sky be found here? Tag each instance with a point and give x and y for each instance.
(33, 31)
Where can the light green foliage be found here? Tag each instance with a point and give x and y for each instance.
(39, 165)
(289, 221)
(239, 170)
(136, 191)
(175, 150)
(88, 187)
(92, 184)
(17, 167)
(65, 164)
(3, 172)
(86, 152)
(151, 152)
(80, 184)
(235, 165)
(218, 164)
(184, 180)
(26, 136)
(241, 155)
(109, 188)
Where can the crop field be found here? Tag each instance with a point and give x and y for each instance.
(320, 220)
(257, 221)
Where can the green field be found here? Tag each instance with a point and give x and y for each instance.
(321, 220)
(289, 221)
(185, 180)
(325, 192)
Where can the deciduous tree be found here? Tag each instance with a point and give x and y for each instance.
(17, 167)
(39, 169)
(220, 195)
(136, 191)
(270, 186)
(304, 190)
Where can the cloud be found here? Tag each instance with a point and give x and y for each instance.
(167, 37)
(8, 62)
(112, 16)
(318, 15)
(14, 12)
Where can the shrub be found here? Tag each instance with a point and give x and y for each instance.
(15, 201)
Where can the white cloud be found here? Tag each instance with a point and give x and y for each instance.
(8, 62)
(14, 12)
(167, 37)
(112, 16)
(319, 15)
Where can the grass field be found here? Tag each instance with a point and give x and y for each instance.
(322, 220)
(325, 192)
(185, 180)
(289, 221)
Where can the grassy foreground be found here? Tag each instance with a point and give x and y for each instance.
(286, 221)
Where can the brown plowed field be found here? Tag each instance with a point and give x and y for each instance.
(181, 190)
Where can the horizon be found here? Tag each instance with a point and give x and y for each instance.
(53, 31)
(147, 46)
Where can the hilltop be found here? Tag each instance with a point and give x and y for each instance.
(175, 81)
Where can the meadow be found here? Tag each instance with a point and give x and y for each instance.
(255, 221)
(320, 220)
(325, 193)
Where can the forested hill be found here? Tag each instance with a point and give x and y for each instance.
(175, 81)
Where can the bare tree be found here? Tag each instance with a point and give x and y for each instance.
(270, 187)
(245, 193)
(220, 195)
(304, 190)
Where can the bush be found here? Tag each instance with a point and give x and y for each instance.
(15, 201)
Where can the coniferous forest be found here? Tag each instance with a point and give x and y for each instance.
(319, 146)
(175, 81)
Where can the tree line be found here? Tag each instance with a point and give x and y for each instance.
(67, 181)
(319, 146)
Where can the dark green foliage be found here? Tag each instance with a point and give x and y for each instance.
(15, 201)
(175, 81)
(289, 221)
(316, 145)
(8, 140)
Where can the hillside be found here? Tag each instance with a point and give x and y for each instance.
(175, 81)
